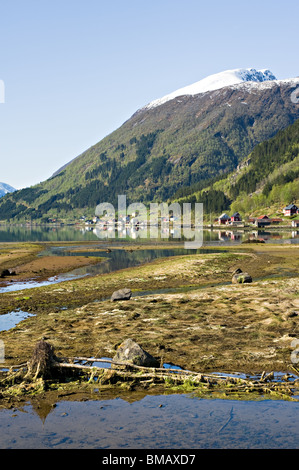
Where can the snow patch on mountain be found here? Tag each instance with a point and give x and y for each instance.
(237, 77)
(6, 188)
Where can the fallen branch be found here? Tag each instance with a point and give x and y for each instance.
(135, 366)
(45, 367)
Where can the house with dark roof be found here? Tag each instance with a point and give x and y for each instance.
(236, 217)
(290, 210)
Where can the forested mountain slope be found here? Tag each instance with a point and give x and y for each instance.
(268, 177)
(183, 142)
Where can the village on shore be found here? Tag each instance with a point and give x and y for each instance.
(224, 219)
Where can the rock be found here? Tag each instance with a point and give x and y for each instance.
(237, 271)
(292, 314)
(241, 278)
(5, 273)
(122, 294)
(131, 352)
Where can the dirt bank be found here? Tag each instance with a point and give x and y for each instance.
(26, 262)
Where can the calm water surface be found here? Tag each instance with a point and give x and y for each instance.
(11, 319)
(77, 233)
(155, 422)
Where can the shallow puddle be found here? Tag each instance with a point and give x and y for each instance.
(18, 286)
(154, 422)
(11, 319)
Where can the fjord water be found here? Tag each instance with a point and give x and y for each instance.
(76, 233)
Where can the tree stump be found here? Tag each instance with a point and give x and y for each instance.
(42, 360)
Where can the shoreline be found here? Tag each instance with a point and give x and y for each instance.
(205, 226)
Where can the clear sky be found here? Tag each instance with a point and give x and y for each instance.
(74, 71)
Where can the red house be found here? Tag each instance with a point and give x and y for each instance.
(276, 221)
(262, 220)
(224, 219)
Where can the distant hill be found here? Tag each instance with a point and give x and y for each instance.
(187, 139)
(5, 189)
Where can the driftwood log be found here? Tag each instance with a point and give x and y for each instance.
(44, 365)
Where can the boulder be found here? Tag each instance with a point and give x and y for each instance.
(5, 273)
(241, 278)
(130, 352)
(122, 294)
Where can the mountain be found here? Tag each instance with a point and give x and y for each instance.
(6, 188)
(267, 179)
(170, 144)
(217, 81)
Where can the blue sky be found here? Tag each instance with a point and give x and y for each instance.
(74, 71)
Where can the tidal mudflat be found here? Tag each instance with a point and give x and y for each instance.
(185, 311)
(192, 315)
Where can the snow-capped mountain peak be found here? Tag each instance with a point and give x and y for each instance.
(6, 188)
(217, 81)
